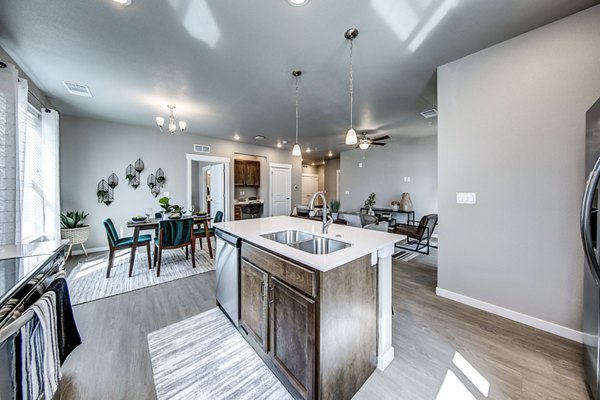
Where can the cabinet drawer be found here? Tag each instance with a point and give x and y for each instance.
(299, 277)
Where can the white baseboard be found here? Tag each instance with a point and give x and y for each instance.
(386, 359)
(547, 326)
(90, 250)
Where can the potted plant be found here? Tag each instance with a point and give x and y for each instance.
(102, 197)
(164, 204)
(74, 229)
(334, 206)
(369, 203)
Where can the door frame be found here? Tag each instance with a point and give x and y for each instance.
(337, 183)
(279, 166)
(226, 183)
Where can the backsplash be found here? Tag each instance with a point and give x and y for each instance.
(242, 192)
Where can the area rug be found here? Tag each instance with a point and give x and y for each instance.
(88, 282)
(405, 255)
(205, 357)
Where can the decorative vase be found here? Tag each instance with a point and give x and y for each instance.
(395, 206)
(334, 215)
(371, 212)
(405, 202)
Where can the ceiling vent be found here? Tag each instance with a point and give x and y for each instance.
(200, 148)
(78, 90)
(429, 113)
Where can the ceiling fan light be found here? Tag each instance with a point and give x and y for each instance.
(296, 150)
(351, 137)
(364, 145)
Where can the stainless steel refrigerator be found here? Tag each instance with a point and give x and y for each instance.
(589, 236)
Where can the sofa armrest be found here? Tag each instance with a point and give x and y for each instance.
(381, 226)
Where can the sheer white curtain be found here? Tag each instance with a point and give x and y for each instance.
(10, 160)
(50, 178)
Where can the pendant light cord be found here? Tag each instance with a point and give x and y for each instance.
(296, 110)
(351, 84)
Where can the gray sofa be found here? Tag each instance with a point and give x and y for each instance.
(364, 221)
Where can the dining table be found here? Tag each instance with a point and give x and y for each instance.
(152, 223)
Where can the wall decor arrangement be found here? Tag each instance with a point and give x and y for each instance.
(151, 181)
(155, 191)
(135, 182)
(139, 165)
(130, 173)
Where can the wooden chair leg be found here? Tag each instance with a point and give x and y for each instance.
(187, 252)
(131, 264)
(111, 257)
(193, 253)
(149, 255)
(155, 254)
(159, 261)
(200, 238)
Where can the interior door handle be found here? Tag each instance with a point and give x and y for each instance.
(585, 221)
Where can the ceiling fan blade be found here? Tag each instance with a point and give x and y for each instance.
(386, 137)
(378, 144)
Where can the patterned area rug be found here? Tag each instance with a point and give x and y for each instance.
(407, 255)
(87, 281)
(205, 357)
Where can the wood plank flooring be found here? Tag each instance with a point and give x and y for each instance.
(519, 362)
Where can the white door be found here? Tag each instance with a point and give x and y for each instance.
(310, 185)
(217, 189)
(281, 191)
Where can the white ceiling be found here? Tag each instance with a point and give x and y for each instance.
(227, 64)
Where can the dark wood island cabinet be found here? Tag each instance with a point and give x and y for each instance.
(316, 330)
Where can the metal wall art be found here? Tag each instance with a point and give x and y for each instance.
(160, 177)
(130, 173)
(151, 181)
(113, 180)
(139, 165)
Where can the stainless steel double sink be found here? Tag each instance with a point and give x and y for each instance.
(306, 241)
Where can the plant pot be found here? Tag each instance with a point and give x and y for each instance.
(76, 235)
(371, 212)
(334, 215)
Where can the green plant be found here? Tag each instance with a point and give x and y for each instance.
(160, 179)
(129, 178)
(334, 205)
(370, 201)
(102, 195)
(164, 203)
(73, 219)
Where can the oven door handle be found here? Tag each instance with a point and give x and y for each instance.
(586, 222)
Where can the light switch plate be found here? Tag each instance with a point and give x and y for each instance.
(466, 198)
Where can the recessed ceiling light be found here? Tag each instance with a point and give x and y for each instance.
(330, 154)
(279, 144)
(259, 137)
(313, 163)
(236, 137)
(297, 3)
(284, 142)
(123, 2)
(308, 149)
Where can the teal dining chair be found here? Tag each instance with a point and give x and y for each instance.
(174, 234)
(115, 243)
(199, 232)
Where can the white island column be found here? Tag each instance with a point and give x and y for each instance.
(385, 351)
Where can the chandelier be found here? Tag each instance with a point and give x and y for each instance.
(351, 34)
(160, 121)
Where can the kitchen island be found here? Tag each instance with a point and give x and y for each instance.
(316, 307)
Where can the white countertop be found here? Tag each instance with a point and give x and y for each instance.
(31, 249)
(364, 241)
(248, 201)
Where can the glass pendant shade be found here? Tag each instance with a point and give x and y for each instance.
(172, 127)
(160, 121)
(351, 137)
(182, 125)
(364, 145)
(296, 150)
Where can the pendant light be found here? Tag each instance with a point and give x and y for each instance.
(296, 150)
(351, 34)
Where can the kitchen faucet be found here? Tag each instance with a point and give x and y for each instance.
(326, 219)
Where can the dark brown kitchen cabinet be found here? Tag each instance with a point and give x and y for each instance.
(254, 303)
(292, 336)
(246, 173)
(298, 320)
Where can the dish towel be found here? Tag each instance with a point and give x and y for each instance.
(67, 333)
(40, 369)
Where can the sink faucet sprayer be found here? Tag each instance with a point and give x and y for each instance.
(327, 220)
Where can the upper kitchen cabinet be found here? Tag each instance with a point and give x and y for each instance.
(246, 173)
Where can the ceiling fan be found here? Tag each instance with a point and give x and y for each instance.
(364, 141)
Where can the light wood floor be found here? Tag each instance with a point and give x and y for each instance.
(519, 362)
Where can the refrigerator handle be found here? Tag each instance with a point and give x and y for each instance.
(586, 223)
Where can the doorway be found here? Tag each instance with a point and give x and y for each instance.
(207, 184)
(280, 193)
(310, 185)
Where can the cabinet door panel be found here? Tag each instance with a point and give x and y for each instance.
(239, 173)
(253, 303)
(252, 177)
(292, 335)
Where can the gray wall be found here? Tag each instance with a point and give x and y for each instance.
(383, 171)
(331, 166)
(511, 128)
(92, 149)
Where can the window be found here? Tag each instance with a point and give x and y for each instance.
(32, 154)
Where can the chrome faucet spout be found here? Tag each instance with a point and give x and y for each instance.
(327, 221)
